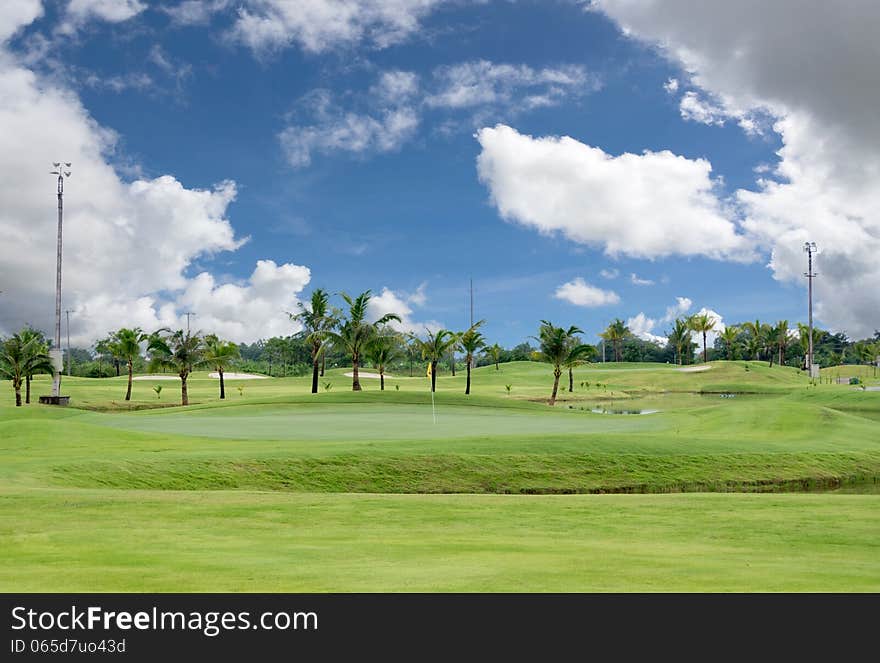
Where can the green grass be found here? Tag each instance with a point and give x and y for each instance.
(277, 489)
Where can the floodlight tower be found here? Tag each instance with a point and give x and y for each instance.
(810, 249)
(62, 170)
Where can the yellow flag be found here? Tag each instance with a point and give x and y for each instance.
(428, 373)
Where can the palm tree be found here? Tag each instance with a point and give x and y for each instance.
(179, 351)
(125, 345)
(804, 338)
(781, 334)
(318, 321)
(680, 337)
(23, 355)
(27, 335)
(495, 351)
(558, 346)
(470, 341)
(728, 336)
(381, 351)
(433, 348)
(616, 333)
(221, 355)
(757, 338)
(354, 332)
(702, 323)
(577, 360)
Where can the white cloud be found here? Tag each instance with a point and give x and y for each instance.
(395, 86)
(195, 12)
(636, 280)
(80, 12)
(750, 56)
(484, 83)
(693, 107)
(609, 274)
(641, 205)
(349, 132)
(642, 326)
(127, 245)
(389, 301)
(16, 14)
(682, 305)
(319, 25)
(581, 293)
(671, 85)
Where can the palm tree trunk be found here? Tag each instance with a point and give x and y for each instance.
(556, 373)
(355, 378)
(705, 350)
(433, 376)
(222, 385)
(315, 369)
(452, 362)
(27, 392)
(570, 380)
(117, 367)
(467, 389)
(184, 395)
(130, 371)
(18, 395)
(381, 378)
(496, 365)
(781, 354)
(323, 361)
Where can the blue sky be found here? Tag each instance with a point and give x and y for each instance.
(413, 214)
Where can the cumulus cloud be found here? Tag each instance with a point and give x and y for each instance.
(682, 305)
(750, 55)
(128, 246)
(642, 326)
(319, 25)
(645, 205)
(581, 293)
(609, 274)
(671, 85)
(635, 279)
(389, 301)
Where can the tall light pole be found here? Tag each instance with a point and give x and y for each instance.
(62, 170)
(810, 249)
(188, 314)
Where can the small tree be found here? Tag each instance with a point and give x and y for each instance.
(495, 351)
(381, 351)
(702, 323)
(318, 320)
(179, 351)
(354, 332)
(470, 341)
(23, 355)
(433, 348)
(558, 346)
(36, 342)
(220, 355)
(125, 346)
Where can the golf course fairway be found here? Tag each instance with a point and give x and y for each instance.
(740, 477)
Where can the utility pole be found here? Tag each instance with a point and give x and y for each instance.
(810, 249)
(57, 357)
(187, 314)
(67, 313)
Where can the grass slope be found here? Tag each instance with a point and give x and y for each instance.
(258, 493)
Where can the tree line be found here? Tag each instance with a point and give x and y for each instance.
(345, 337)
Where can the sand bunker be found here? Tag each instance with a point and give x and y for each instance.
(364, 374)
(237, 376)
(156, 377)
(694, 369)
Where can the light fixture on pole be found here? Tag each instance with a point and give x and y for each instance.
(810, 249)
(62, 170)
